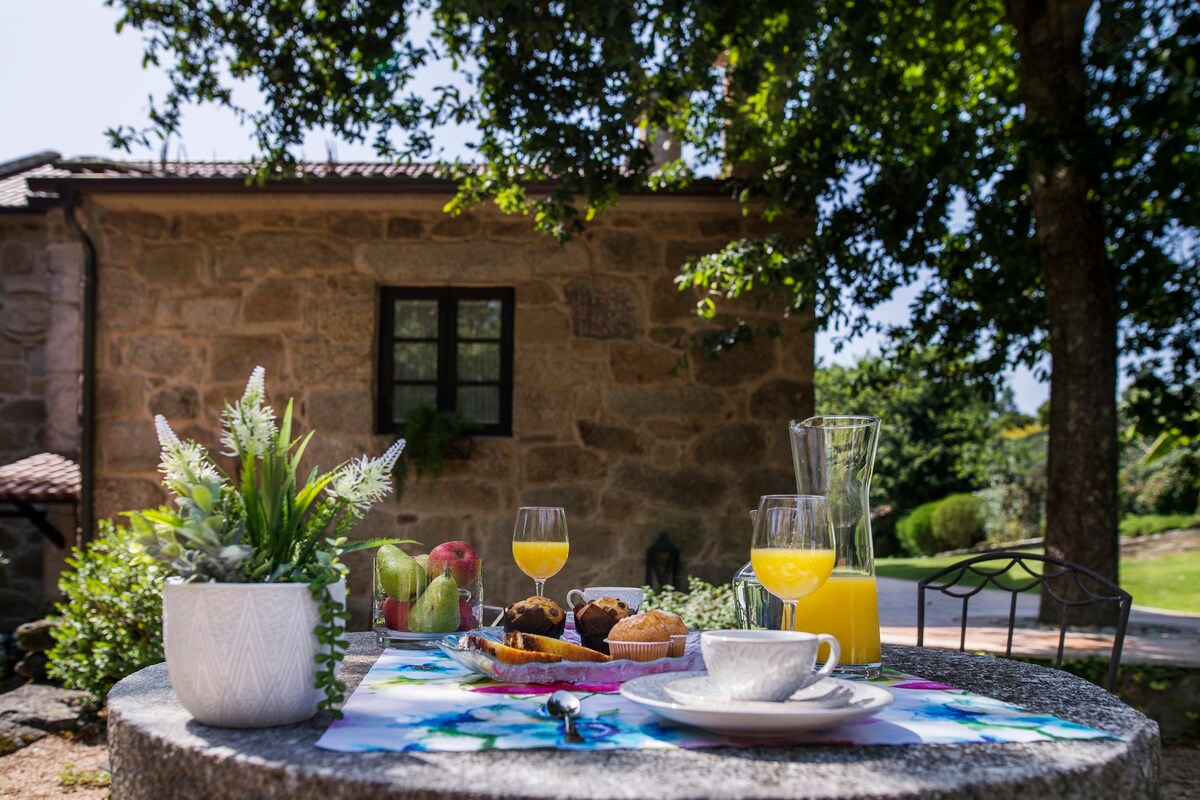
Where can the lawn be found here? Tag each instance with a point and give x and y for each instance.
(1169, 582)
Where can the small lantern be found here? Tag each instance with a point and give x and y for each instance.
(662, 562)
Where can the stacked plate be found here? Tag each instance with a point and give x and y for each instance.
(692, 699)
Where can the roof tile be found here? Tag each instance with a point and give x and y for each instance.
(43, 478)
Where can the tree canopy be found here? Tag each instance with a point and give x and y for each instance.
(896, 125)
(1032, 166)
(937, 422)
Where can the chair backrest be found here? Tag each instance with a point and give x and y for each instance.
(994, 570)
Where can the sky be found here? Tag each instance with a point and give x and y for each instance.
(66, 76)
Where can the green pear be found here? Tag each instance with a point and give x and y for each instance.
(399, 574)
(436, 610)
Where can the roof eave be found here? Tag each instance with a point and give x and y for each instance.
(339, 185)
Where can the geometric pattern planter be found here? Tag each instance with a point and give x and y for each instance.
(240, 655)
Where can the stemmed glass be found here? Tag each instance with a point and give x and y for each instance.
(540, 543)
(793, 547)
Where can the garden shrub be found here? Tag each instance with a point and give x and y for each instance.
(1150, 524)
(958, 522)
(110, 625)
(1168, 485)
(702, 607)
(915, 530)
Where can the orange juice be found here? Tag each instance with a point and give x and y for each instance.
(789, 573)
(847, 607)
(540, 560)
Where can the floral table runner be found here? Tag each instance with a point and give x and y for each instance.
(420, 700)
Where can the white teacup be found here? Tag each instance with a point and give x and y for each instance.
(765, 665)
(632, 595)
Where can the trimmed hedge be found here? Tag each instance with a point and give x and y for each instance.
(915, 530)
(1150, 524)
(958, 521)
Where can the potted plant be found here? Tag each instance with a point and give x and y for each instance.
(253, 624)
(433, 436)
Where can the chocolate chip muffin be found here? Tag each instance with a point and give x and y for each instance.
(594, 620)
(539, 615)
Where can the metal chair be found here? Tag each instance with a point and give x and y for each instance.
(1093, 588)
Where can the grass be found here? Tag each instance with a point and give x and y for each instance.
(1169, 582)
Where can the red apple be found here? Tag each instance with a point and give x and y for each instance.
(395, 613)
(466, 617)
(460, 557)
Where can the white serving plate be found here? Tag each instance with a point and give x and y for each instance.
(752, 718)
(616, 671)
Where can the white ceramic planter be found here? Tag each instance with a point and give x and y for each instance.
(240, 655)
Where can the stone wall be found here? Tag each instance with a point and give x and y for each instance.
(39, 371)
(617, 415)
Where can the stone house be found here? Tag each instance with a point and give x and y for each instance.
(362, 298)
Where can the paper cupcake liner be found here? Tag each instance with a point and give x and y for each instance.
(638, 651)
(678, 645)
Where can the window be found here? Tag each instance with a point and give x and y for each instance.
(450, 348)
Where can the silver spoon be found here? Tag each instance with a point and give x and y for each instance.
(565, 706)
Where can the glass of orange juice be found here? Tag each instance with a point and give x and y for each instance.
(793, 548)
(540, 544)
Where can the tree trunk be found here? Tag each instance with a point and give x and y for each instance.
(1081, 299)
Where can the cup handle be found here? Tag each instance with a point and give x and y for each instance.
(835, 652)
(572, 603)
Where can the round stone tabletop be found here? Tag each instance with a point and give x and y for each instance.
(157, 752)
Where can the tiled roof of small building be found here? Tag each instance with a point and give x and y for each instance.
(31, 183)
(15, 193)
(44, 478)
(239, 170)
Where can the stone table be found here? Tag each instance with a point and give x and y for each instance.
(157, 751)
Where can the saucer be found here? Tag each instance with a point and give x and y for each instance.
(752, 717)
(701, 690)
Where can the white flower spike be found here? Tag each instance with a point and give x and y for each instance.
(185, 463)
(362, 483)
(249, 426)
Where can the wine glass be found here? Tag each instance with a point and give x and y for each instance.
(540, 543)
(793, 547)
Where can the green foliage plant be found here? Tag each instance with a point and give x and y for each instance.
(1166, 484)
(957, 521)
(1012, 470)
(936, 421)
(110, 623)
(432, 436)
(1150, 524)
(915, 530)
(267, 524)
(702, 607)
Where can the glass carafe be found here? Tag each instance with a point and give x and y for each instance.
(834, 456)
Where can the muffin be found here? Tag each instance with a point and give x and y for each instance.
(676, 627)
(539, 615)
(639, 638)
(594, 620)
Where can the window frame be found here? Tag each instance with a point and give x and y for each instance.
(447, 382)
